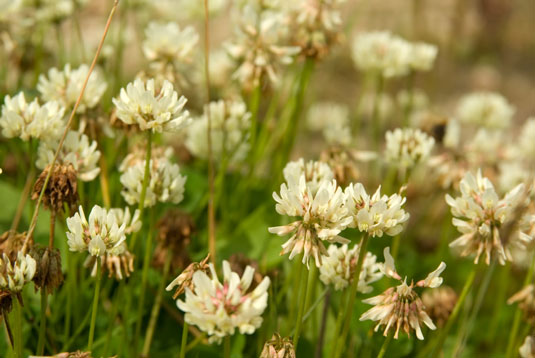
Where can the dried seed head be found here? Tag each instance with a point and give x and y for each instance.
(175, 229)
(439, 304)
(61, 188)
(278, 347)
(48, 274)
(185, 278)
(526, 302)
(11, 242)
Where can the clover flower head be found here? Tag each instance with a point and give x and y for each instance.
(478, 215)
(13, 275)
(338, 268)
(315, 173)
(407, 147)
(527, 350)
(151, 108)
(167, 41)
(229, 125)
(99, 235)
(525, 298)
(487, 109)
(324, 114)
(76, 150)
(422, 56)
(219, 308)
(65, 86)
(377, 214)
(322, 216)
(400, 307)
(31, 120)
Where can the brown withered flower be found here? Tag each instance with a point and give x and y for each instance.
(48, 274)
(62, 188)
(11, 242)
(175, 229)
(116, 265)
(526, 302)
(439, 304)
(278, 347)
(185, 278)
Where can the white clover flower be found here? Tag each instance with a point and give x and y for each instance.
(525, 148)
(65, 87)
(485, 109)
(13, 275)
(151, 109)
(338, 135)
(382, 53)
(315, 172)
(478, 215)
(101, 234)
(165, 182)
(401, 307)
(452, 135)
(53, 10)
(422, 56)
(385, 105)
(322, 217)
(375, 215)
(512, 174)
(220, 308)
(257, 48)
(229, 123)
(324, 114)
(338, 268)
(31, 120)
(408, 147)
(527, 350)
(76, 150)
(122, 216)
(167, 41)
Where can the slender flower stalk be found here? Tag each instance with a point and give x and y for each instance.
(94, 310)
(184, 341)
(384, 347)
(303, 290)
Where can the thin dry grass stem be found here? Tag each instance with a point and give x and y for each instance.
(211, 215)
(67, 127)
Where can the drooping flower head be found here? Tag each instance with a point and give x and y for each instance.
(377, 214)
(31, 120)
(479, 214)
(219, 308)
(400, 307)
(151, 108)
(338, 268)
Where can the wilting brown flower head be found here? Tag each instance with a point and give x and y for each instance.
(11, 242)
(278, 347)
(526, 302)
(439, 304)
(48, 274)
(61, 188)
(185, 278)
(116, 265)
(174, 236)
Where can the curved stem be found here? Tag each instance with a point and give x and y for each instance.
(95, 307)
(184, 339)
(384, 347)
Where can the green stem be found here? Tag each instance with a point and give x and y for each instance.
(410, 101)
(303, 298)
(384, 347)
(353, 293)
(323, 325)
(376, 111)
(17, 328)
(226, 347)
(511, 344)
(184, 339)
(156, 307)
(339, 321)
(146, 177)
(95, 307)
(42, 325)
(254, 103)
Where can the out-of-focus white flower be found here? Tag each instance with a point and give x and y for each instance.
(13, 275)
(338, 135)
(31, 120)
(527, 350)
(512, 174)
(452, 135)
(385, 105)
(76, 150)
(478, 215)
(152, 109)
(485, 109)
(324, 114)
(258, 49)
(422, 56)
(99, 235)
(338, 268)
(485, 147)
(375, 215)
(185, 9)
(524, 145)
(220, 308)
(322, 216)
(65, 87)
(408, 147)
(166, 41)
(8, 8)
(165, 182)
(401, 307)
(382, 53)
(52, 10)
(418, 102)
(315, 173)
(229, 123)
